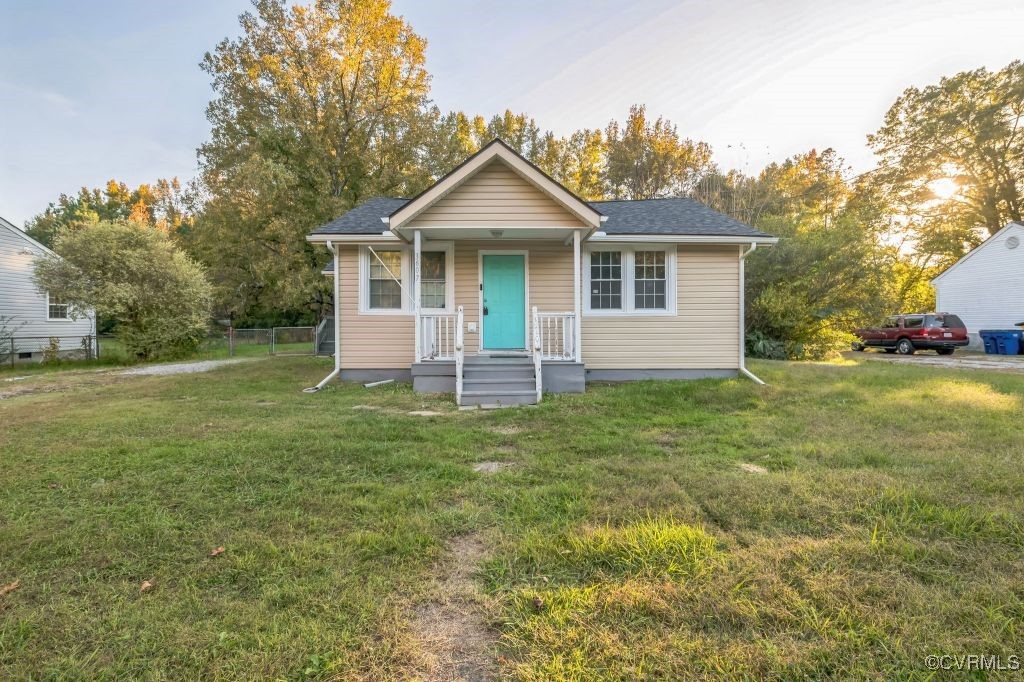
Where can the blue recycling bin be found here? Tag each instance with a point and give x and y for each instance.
(1002, 341)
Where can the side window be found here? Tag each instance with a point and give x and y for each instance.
(915, 322)
(892, 322)
(56, 309)
(649, 280)
(385, 292)
(432, 284)
(606, 280)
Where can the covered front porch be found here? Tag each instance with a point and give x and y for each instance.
(509, 330)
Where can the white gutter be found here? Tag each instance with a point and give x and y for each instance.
(337, 325)
(743, 316)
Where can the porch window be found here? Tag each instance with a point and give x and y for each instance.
(649, 279)
(385, 291)
(56, 309)
(606, 280)
(432, 280)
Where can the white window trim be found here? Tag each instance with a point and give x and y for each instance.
(57, 319)
(407, 276)
(629, 308)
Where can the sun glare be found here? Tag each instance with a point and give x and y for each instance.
(944, 188)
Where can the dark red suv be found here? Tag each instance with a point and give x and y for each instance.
(903, 334)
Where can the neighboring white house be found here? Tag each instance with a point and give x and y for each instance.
(986, 287)
(32, 316)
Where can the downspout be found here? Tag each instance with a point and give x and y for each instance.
(337, 323)
(743, 315)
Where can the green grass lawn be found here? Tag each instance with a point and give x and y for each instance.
(845, 521)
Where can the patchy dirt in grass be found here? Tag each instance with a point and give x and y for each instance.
(507, 429)
(491, 467)
(451, 626)
(57, 383)
(752, 468)
(426, 413)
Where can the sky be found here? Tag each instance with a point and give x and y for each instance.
(104, 89)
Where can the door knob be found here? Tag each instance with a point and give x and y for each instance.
(485, 310)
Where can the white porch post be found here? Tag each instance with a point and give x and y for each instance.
(577, 287)
(417, 252)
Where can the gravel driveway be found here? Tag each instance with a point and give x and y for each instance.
(181, 367)
(999, 363)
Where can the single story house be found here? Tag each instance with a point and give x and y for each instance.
(498, 283)
(985, 288)
(30, 318)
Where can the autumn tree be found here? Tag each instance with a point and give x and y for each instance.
(161, 204)
(317, 107)
(646, 159)
(952, 154)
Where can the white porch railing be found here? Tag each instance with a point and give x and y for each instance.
(460, 352)
(438, 336)
(536, 352)
(557, 335)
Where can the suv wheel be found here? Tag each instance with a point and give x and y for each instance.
(904, 347)
(857, 346)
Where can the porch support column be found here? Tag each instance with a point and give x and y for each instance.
(577, 287)
(417, 251)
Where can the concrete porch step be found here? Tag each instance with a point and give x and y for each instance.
(499, 385)
(480, 361)
(504, 397)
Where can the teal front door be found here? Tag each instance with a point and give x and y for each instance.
(504, 299)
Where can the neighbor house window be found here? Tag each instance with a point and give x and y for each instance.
(432, 279)
(385, 288)
(56, 309)
(606, 280)
(649, 280)
(631, 280)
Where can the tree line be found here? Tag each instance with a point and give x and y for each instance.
(320, 107)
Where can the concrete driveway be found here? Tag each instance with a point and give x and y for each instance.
(959, 360)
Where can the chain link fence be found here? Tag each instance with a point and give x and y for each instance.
(293, 341)
(16, 348)
(222, 343)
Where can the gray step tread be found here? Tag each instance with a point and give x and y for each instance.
(499, 393)
(499, 386)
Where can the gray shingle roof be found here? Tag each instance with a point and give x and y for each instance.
(364, 218)
(680, 216)
(675, 216)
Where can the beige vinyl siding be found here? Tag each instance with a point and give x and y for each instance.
(550, 271)
(496, 196)
(704, 334)
(370, 341)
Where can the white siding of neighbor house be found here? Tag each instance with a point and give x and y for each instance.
(986, 289)
(24, 305)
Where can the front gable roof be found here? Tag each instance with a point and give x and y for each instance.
(495, 151)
